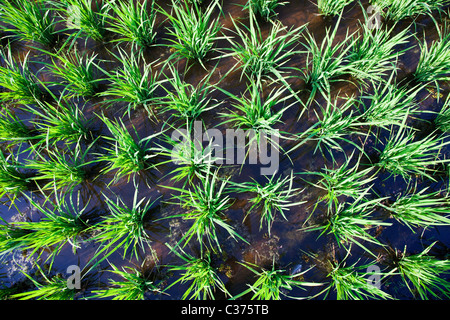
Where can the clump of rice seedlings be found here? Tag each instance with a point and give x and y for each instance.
(273, 284)
(50, 288)
(134, 23)
(396, 10)
(332, 7)
(12, 128)
(13, 179)
(206, 201)
(89, 17)
(21, 82)
(133, 286)
(11, 237)
(349, 222)
(134, 82)
(442, 120)
(200, 274)
(127, 153)
(263, 57)
(77, 72)
(374, 52)
(193, 32)
(264, 8)
(422, 274)
(434, 61)
(419, 209)
(187, 101)
(30, 20)
(351, 283)
(272, 197)
(404, 156)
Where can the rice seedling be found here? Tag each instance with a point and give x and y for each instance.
(134, 82)
(264, 8)
(351, 282)
(29, 20)
(202, 276)
(193, 32)
(273, 284)
(350, 221)
(263, 57)
(274, 196)
(206, 201)
(422, 274)
(434, 61)
(77, 71)
(134, 23)
(375, 53)
(396, 10)
(332, 7)
(404, 156)
(420, 209)
(11, 237)
(127, 154)
(13, 178)
(12, 128)
(442, 120)
(50, 288)
(22, 84)
(134, 285)
(89, 17)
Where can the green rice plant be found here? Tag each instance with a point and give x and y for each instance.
(12, 128)
(89, 17)
(134, 285)
(206, 201)
(29, 20)
(50, 288)
(420, 209)
(272, 197)
(22, 84)
(423, 274)
(193, 32)
(396, 10)
(134, 82)
(332, 7)
(260, 56)
(134, 23)
(273, 284)
(264, 8)
(403, 155)
(13, 178)
(351, 282)
(11, 237)
(442, 120)
(350, 221)
(202, 276)
(375, 53)
(126, 154)
(434, 61)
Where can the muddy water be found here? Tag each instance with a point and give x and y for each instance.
(288, 244)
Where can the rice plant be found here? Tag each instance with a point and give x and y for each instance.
(205, 201)
(420, 209)
(351, 283)
(260, 56)
(273, 197)
(89, 17)
(29, 20)
(21, 82)
(12, 128)
(264, 8)
(423, 274)
(11, 237)
(134, 82)
(332, 7)
(434, 61)
(193, 32)
(442, 120)
(201, 276)
(134, 23)
(13, 178)
(127, 153)
(133, 286)
(396, 10)
(274, 283)
(404, 156)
